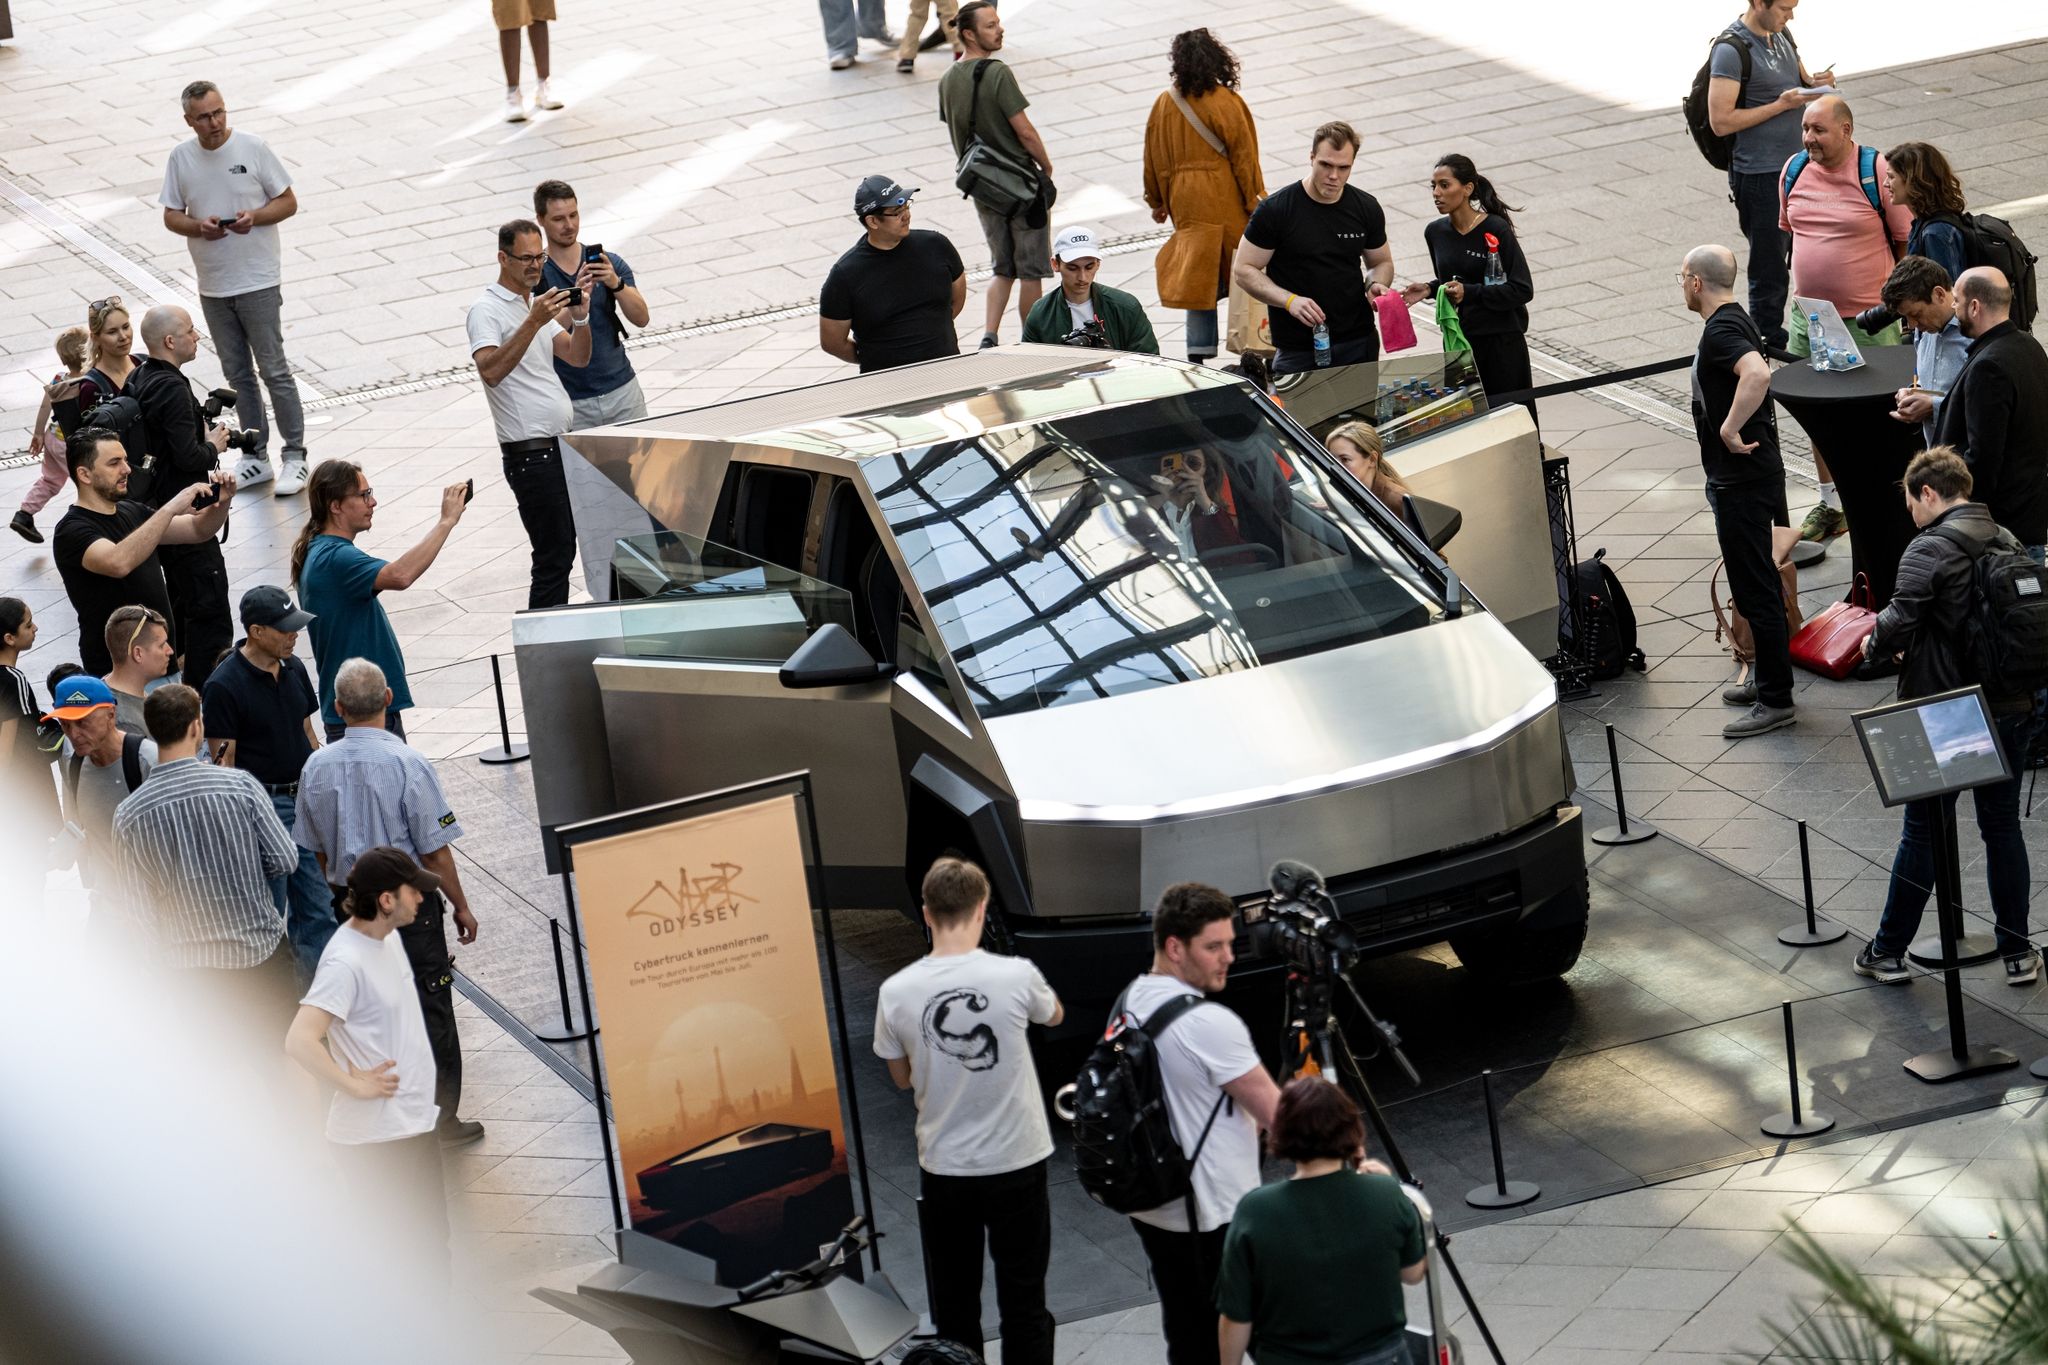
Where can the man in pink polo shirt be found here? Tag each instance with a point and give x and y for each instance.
(1843, 249)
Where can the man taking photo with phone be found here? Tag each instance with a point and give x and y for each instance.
(606, 390)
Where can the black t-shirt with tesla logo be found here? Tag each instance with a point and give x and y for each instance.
(1317, 253)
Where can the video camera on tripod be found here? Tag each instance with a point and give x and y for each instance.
(1301, 926)
(248, 442)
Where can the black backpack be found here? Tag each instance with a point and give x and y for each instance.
(1718, 150)
(131, 767)
(1124, 1149)
(1606, 632)
(118, 413)
(1991, 241)
(2005, 635)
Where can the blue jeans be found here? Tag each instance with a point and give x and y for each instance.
(843, 29)
(249, 336)
(1770, 271)
(2005, 856)
(303, 898)
(1201, 333)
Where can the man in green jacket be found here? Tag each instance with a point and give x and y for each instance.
(1113, 319)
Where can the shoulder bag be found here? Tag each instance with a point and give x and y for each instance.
(995, 179)
(1831, 644)
(1250, 328)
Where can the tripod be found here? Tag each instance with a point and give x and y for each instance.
(1314, 1034)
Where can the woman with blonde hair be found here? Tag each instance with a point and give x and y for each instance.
(107, 326)
(1357, 447)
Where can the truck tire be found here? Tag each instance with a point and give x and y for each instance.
(1523, 955)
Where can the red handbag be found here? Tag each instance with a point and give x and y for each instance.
(1831, 641)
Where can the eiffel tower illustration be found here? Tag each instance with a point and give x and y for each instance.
(724, 1109)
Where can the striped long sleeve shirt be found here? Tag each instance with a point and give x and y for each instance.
(198, 846)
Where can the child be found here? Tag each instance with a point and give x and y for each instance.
(46, 437)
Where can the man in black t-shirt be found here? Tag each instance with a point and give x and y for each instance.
(1738, 435)
(1300, 255)
(106, 549)
(892, 299)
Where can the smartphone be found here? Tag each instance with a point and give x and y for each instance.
(575, 296)
(469, 492)
(593, 254)
(208, 498)
(1172, 463)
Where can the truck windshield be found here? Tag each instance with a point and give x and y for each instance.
(1138, 546)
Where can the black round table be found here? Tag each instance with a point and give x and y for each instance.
(1847, 416)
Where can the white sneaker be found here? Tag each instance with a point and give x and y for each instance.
(543, 98)
(841, 63)
(515, 105)
(292, 480)
(253, 471)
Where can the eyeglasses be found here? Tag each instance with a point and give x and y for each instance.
(366, 494)
(535, 259)
(894, 211)
(1682, 276)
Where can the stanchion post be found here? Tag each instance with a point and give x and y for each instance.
(1619, 833)
(507, 751)
(1959, 1059)
(1809, 934)
(561, 975)
(1503, 1193)
(1795, 1124)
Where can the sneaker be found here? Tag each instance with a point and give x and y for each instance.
(906, 64)
(24, 526)
(841, 63)
(253, 471)
(515, 105)
(1761, 720)
(988, 339)
(883, 39)
(1823, 523)
(2024, 969)
(292, 479)
(461, 1132)
(1741, 694)
(544, 98)
(935, 38)
(1889, 970)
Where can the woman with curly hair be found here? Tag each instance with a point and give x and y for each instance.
(1202, 173)
(1919, 177)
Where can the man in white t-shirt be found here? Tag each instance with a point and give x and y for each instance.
(226, 192)
(1213, 1079)
(514, 339)
(952, 1026)
(360, 1030)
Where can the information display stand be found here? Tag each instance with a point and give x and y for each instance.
(1919, 750)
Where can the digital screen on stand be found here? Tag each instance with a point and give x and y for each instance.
(1932, 746)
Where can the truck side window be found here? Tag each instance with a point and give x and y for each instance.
(769, 511)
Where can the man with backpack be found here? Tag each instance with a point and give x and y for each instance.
(953, 1027)
(1218, 1096)
(1969, 609)
(101, 765)
(1996, 413)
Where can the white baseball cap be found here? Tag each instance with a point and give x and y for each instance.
(1077, 243)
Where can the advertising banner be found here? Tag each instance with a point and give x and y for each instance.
(716, 1039)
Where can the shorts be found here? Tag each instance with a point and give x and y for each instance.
(1018, 252)
(520, 13)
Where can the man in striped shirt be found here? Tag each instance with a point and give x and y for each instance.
(198, 846)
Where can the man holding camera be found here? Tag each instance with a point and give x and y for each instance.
(226, 192)
(514, 338)
(606, 390)
(1219, 1097)
(183, 447)
(1083, 313)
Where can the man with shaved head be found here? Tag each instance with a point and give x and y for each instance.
(1846, 233)
(1996, 412)
(1738, 435)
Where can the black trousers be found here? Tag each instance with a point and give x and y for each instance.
(1184, 1269)
(197, 577)
(1503, 364)
(425, 941)
(542, 492)
(1010, 1212)
(1744, 514)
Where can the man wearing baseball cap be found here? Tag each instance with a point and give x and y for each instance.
(261, 714)
(100, 766)
(892, 298)
(360, 1030)
(1082, 312)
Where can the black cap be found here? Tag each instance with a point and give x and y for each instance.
(876, 193)
(386, 869)
(265, 605)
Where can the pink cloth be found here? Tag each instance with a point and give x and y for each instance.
(1840, 251)
(1397, 329)
(53, 478)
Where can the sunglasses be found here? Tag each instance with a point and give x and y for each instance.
(149, 617)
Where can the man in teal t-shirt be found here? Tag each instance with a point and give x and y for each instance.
(349, 622)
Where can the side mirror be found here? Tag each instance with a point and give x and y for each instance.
(1434, 522)
(831, 657)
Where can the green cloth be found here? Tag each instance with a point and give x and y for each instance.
(1123, 319)
(1797, 343)
(1315, 1267)
(1447, 323)
(1000, 98)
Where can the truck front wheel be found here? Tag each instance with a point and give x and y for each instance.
(1539, 947)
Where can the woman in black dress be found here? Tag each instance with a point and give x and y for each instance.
(1479, 264)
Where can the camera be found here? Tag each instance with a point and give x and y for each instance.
(1300, 925)
(245, 441)
(1089, 334)
(1875, 320)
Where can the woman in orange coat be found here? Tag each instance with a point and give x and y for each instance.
(1207, 184)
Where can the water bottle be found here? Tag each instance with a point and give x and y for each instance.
(1495, 272)
(1322, 345)
(1817, 343)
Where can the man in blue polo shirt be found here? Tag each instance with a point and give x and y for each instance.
(259, 710)
(606, 390)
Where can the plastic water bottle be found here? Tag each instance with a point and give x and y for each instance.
(1322, 345)
(1495, 272)
(1817, 343)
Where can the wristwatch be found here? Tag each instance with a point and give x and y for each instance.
(574, 323)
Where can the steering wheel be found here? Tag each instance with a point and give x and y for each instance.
(1227, 556)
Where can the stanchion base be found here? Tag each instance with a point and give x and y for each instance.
(1799, 936)
(1808, 552)
(1612, 835)
(1971, 949)
(1785, 1126)
(1518, 1192)
(2039, 1070)
(496, 754)
(1936, 1067)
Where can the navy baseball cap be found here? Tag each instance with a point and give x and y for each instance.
(879, 192)
(265, 605)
